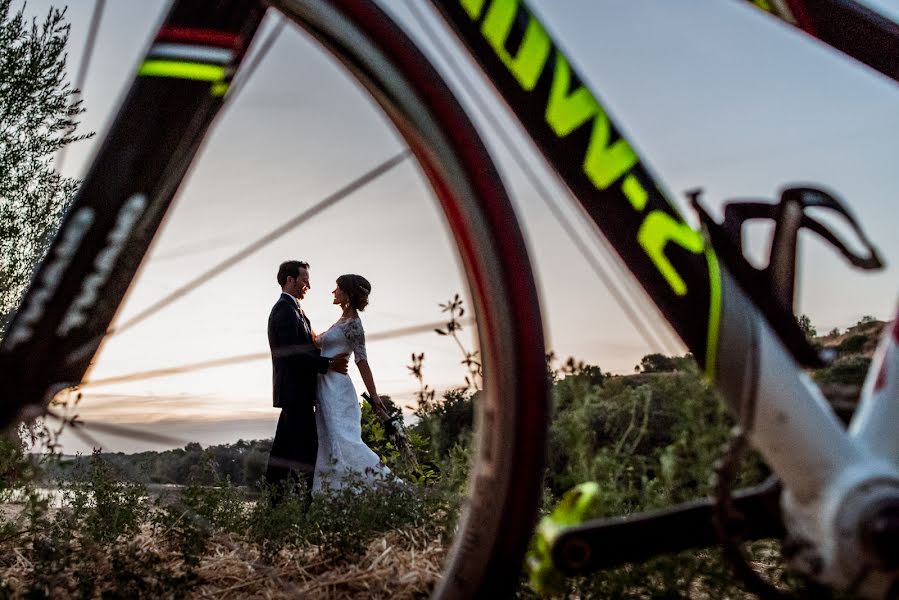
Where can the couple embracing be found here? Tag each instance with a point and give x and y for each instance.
(319, 435)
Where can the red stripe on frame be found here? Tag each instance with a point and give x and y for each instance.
(803, 21)
(881, 380)
(207, 37)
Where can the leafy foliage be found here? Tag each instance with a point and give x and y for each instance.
(805, 324)
(846, 370)
(471, 359)
(659, 363)
(36, 120)
(448, 421)
(102, 505)
(242, 463)
(649, 440)
(852, 344)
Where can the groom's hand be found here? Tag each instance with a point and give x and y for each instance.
(339, 363)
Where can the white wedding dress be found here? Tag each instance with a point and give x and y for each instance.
(338, 416)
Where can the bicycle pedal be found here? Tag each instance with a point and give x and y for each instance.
(577, 505)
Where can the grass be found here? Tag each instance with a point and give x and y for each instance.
(109, 539)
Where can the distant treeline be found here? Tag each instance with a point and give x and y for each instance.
(242, 462)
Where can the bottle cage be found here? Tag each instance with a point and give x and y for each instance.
(772, 288)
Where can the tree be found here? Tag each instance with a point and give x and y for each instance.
(805, 324)
(657, 363)
(37, 118)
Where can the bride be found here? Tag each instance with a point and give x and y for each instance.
(341, 451)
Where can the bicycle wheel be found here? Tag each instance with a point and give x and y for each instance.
(77, 291)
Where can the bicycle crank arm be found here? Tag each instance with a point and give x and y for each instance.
(605, 543)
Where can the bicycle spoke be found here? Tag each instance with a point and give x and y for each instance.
(244, 358)
(244, 75)
(192, 248)
(77, 427)
(81, 77)
(264, 241)
(248, 250)
(79, 433)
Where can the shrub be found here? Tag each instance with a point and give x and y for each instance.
(208, 504)
(103, 506)
(277, 518)
(343, 521)
(849, 370)
(447, 421)
(852, 344)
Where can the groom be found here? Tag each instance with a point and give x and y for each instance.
(296, 364)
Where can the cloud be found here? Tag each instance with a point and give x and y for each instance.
(143, 409)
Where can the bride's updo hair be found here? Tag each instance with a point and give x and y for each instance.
(357, 288)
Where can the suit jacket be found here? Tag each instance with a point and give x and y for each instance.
(296, 361)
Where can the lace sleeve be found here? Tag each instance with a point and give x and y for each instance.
(356, 336)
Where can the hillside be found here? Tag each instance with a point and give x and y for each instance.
(850, 356)
(860, 339)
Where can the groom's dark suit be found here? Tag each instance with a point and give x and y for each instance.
(296, 364)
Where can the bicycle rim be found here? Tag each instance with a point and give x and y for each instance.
(506, 474)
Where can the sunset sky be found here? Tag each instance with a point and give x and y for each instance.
(711, 94)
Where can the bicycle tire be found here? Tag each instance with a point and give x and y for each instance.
(506, 473)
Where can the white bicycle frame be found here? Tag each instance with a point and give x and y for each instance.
(839, 485)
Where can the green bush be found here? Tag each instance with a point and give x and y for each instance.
(102, 505)
(343, 521)
(276, 520)
(208, 504)
(852, 344)
(447, 421)
(849, 370)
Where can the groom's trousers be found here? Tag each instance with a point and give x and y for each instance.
(293, 449)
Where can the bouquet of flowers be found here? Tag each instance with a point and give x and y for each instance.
(396, 432)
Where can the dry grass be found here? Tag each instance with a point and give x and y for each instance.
(399, 564)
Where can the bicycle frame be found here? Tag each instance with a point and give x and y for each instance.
(836, 480)
(103, 239)
(855, 30)
(831, 476)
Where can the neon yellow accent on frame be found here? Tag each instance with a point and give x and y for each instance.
(473, 7)
(219, 88)
(603, 163)
(182, 70)
(527, 65)
(656, 231)
(711, 343)
(566, 111)
(635, 192)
